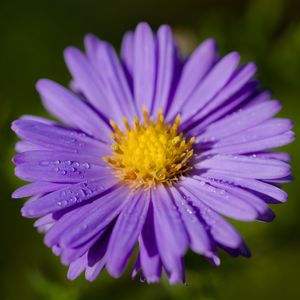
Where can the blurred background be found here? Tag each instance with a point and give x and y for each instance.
(33, 35)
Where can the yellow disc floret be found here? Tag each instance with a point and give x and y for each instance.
(151, 152)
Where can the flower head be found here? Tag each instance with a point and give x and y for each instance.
(151, 151)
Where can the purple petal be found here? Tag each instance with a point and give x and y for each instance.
(220, 200)
(71, 110)
(58, 138)
(199, 237)
(231, 106)
(168, 218)
(125, 233)
(149, 257)
(220, 229)
(265, 214)
(247, 166)
(144, 67)
(38, 187)
(127, 49)
(97, 257)
(196, 67)
(269, 128)
(67, 197)
(59, 167)
(77, 267)
(95, 217)
(90, 84)
(242, 120)
(115, 83)
(165, 68)
(239, 80)
(253, 146)
(211, 85)
(251, 184)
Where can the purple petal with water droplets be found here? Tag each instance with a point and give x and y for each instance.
(221, 201)
(60, 167)
(67, 197)
(168, 217)
(264, 213)
(126, 232)
(199, 237)
(247, 183)
(222, 232)
(246, 166)
(38, 187)
(97, 216)
(55, 137)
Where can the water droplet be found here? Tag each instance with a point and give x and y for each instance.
(63, 172)
(86, 165)
(44, 163)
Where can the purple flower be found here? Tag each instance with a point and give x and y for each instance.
(152, 151)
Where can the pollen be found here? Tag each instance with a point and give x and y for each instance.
(150, 152)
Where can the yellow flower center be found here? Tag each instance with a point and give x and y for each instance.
(150, 152)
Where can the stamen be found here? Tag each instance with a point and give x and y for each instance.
(151, 152)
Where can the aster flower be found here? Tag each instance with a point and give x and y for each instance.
(151, 151)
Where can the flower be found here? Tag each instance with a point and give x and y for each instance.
(152, 151)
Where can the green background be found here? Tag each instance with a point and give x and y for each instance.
(33, 36)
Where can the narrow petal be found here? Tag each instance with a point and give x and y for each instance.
(115, 82)
(165, 68)
(221, 201)
(90, 84)
(144, 67)
(211, 85)
(149, 257)
(38, 187)
(55, 137)
(222, 232)
(196, 67)
(58, 167)
(125, 233)
(242, 120)
(264, 213)
(240, 78)
(254, 146)
(169, 220)
(251, 184)
(127, 50)
(95, 218)
(77, 267)
(67, 197)
(232, 105)
(71, 110)
(247, 166)
(199, 237)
